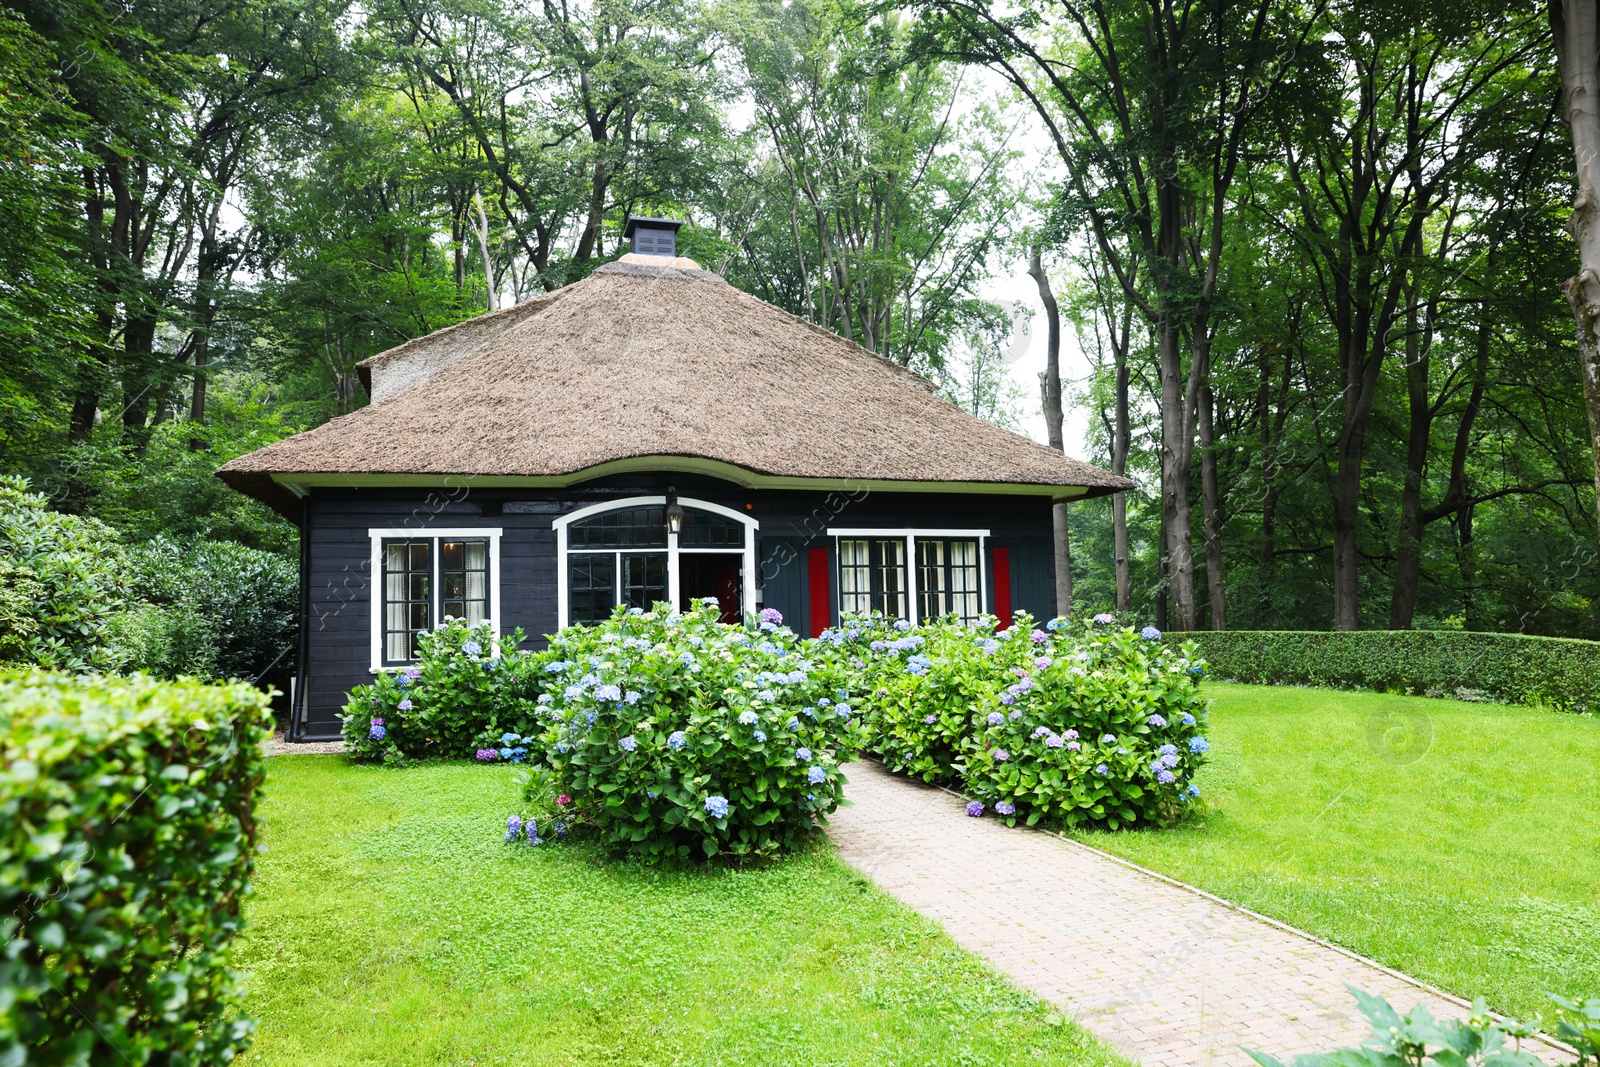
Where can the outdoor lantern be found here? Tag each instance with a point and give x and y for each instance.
(674, 512)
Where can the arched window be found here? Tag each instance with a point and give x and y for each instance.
(624, 553)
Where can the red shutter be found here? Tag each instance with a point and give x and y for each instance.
(821, 597)
(1002, 587)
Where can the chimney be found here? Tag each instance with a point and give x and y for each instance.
(652, 237)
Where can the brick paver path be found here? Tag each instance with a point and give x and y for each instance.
(1166, 975)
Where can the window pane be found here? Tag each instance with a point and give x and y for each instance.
(627, 528)
(705, 529)
(407, 589)
(591, 587)
(644, 579)
(855, 577)
(889, 577)
(464, 580)
(947, 576)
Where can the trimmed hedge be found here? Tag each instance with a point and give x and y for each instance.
(127, 841)
(1556, 672)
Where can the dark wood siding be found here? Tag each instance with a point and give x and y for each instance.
(340, 590)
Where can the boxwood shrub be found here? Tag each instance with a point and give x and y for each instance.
(1557, 672)
(127, 836)
(675, 735)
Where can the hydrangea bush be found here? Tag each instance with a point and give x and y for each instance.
(1099, 725)
(926, 687)
(677, 735)
(467, 691)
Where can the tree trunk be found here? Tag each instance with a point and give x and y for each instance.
(1408, 547)
(1121, 440)
(492, 300)
(1175, 455)
(1576, 32)
(1054, 418)
(207, 268)
(1211, 507)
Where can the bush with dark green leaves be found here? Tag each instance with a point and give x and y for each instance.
(62, 577)
(127, 839)
(1557, 672)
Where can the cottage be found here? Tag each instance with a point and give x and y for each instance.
(649, 433)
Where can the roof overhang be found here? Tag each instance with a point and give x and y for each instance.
(285, 489)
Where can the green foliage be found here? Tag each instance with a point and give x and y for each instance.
(680, 736)
(168, 642)
(128, 841)
(1514, 668)
(65, 578)
(466, 685)
(245, 601)
(1481, 1040)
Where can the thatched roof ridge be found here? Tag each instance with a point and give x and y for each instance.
(640, 361)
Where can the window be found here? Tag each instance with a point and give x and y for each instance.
(872, 576)
(911, 574)
(425, 578)
(622, 553)
(948, 579)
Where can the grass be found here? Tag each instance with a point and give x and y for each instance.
(391, 926)
(1459, 843)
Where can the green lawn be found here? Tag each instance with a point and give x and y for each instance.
(391, 926)
(1475, 867)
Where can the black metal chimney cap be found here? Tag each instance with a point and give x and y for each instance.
(649, 224)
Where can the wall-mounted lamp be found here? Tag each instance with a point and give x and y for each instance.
(674, 512)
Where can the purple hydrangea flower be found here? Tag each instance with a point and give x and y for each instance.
(717, 806)
(1105, 619)
(1016, 714)
(404, 705)
(995, 718)
(1071, 735)
(930, 720)
(513, 827)
(1165, 777)
(414, 673)
(1040, 731)
(1043, 662)
(1053, 741)
(487, 754)
(1001, 755)
(1040, 637)
(1156, 721)
(772, 616)
(975, 809)
(1073, 746)
(1007, 698)
(1167, 750)
(632, 697)
(1005, 807)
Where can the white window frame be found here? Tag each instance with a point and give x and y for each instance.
(747, 592)
(380, 534)
(910, 537)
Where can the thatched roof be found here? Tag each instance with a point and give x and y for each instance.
(641, 366)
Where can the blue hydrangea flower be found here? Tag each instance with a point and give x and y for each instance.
(717, 807)
(918, 664)
(793, 724)
(686, 658)
(748, 718)
(1165, 777)
(1005, 807)
(1169, 761)
(802, 754)
(530, 833)
(628, 744)
(760, 736)
(767, 695)
(816, 775)
(633, 696)
(545, 698)
(377, 731)
(1007, 698)
(902, 624)
(1109, 739)
(472, 648)
(995, 718)
(824, 701)
(1167, 750)
(572, 692)
(1198, 745)
(608, 692)
(929, 720)
(842, 710)
(1193, 790)
(1102, 769)
(990, 645)
(1150, 633)
(1157, 721)
(513, 827)
(1015, 714)
(1188, 720)
(975, 809)
(676, 739)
